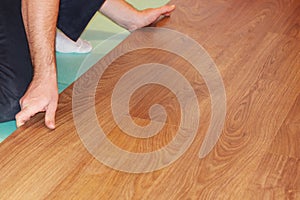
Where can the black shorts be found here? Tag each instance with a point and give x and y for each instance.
(15, 64)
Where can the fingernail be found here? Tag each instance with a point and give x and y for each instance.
(51, 125)
(19, 124)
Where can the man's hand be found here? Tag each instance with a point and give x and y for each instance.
(40, 18)
(41, 96)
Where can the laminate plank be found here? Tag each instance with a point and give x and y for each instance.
(277, 177)
(287, 139)
(256, 48)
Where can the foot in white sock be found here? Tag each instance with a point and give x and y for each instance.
(66, 45)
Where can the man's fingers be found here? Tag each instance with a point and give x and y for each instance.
(166, 10)
(162, 12)
(167, 14)
(25, 114)
(155, 15)
(50, 116)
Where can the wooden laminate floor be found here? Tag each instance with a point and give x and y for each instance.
(255, 46)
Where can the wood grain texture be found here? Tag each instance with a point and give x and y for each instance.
(256, 47)
(287, 139)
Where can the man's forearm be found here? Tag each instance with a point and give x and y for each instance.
(40, 18)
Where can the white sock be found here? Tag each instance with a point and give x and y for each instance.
(66, 45)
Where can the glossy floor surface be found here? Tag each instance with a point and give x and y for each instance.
(96, 152)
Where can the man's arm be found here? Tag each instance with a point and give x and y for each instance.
(40, 17)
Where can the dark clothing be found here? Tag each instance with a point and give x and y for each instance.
(15, 64)
(74, 15)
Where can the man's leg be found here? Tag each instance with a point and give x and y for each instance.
(15, 63)
(75, 15)
(72, 20)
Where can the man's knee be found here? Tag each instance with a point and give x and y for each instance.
(12, 88)
(15, 63)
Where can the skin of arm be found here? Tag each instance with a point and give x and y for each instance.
(40, 17)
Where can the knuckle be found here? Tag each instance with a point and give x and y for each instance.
(17, 116)
(21, 101)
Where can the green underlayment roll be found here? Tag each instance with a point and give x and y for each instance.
(104, 35)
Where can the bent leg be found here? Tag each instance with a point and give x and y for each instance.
(15, 64)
